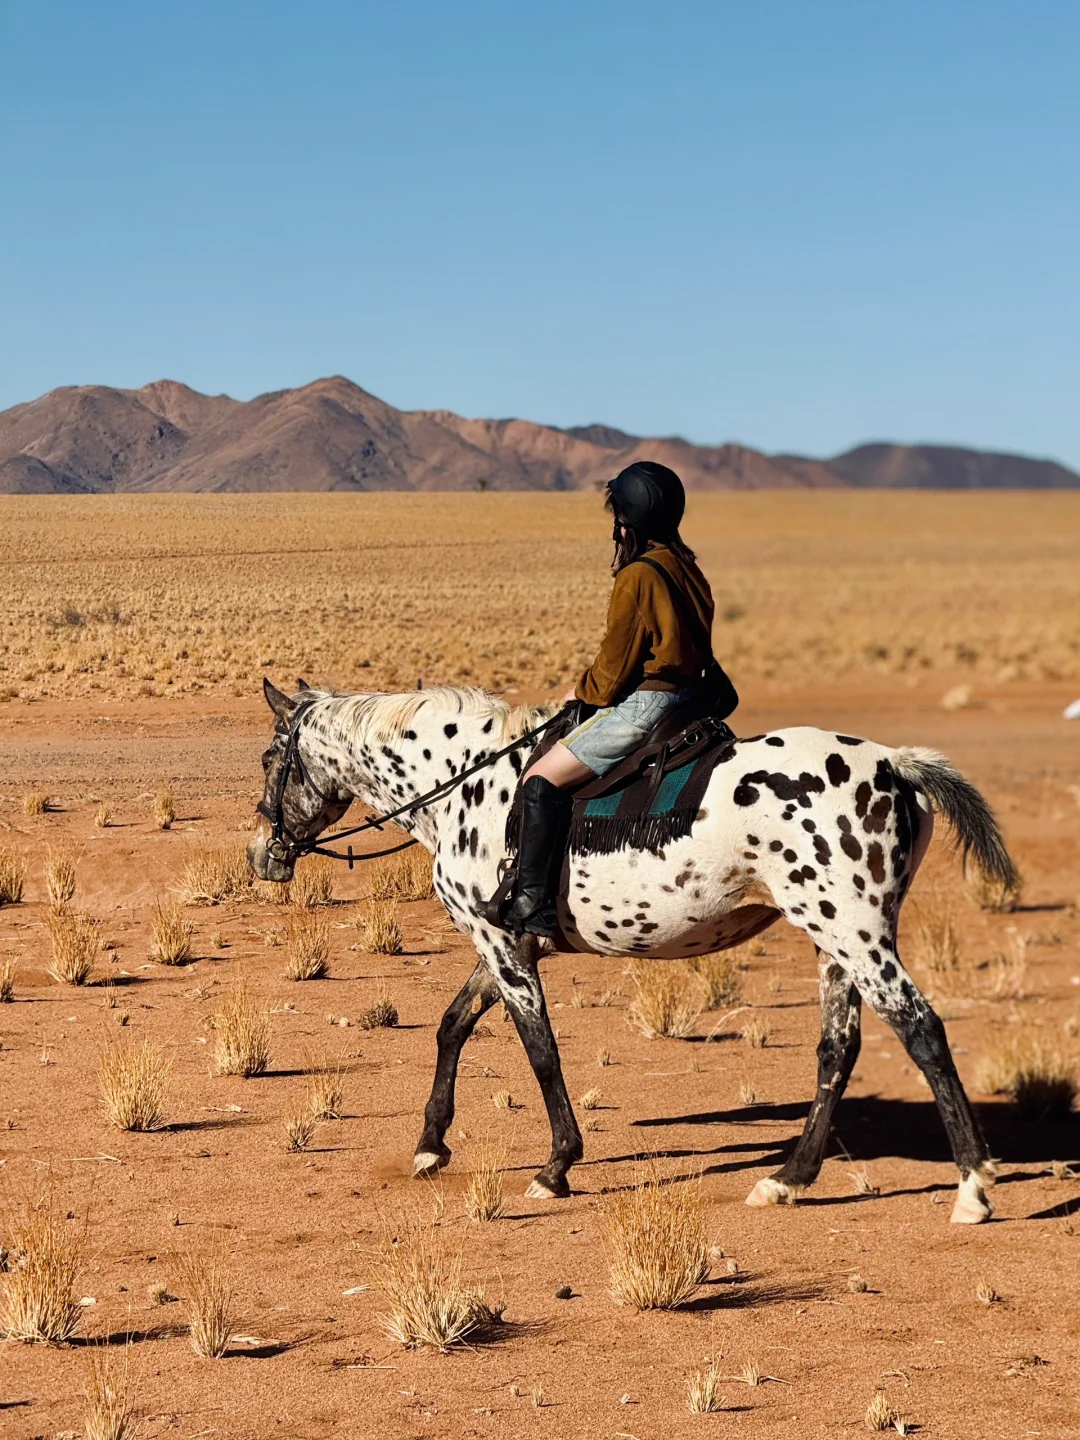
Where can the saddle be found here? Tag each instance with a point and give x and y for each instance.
(650, 798)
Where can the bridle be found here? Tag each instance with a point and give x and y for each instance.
(286, 848)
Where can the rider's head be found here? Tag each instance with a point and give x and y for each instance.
(647, 500)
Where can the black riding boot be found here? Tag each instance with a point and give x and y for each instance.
(545, 821)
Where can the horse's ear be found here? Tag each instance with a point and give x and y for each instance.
(279, 703)
(302, 685)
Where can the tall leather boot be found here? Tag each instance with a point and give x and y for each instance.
(545, 822)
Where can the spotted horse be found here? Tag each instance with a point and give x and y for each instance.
(821, 829)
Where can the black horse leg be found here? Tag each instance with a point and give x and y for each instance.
(478, 994)
(837, 1051)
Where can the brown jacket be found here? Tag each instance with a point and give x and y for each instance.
(647, 645)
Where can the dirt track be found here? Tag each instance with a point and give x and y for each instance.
(297, 1228)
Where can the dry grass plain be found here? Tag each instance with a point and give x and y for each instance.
(135, 631)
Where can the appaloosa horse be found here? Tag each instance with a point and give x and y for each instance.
(825, 830)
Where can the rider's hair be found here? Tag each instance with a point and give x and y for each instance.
(633, 543)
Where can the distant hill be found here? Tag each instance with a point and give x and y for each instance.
(332, 435)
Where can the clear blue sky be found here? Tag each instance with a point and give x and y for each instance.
(799, 224)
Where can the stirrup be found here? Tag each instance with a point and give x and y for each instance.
(494, 909)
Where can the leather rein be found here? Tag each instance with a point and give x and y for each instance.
(285, 847)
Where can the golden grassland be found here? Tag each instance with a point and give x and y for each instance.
(174, 594)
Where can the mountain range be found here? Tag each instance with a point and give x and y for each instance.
(332, 435)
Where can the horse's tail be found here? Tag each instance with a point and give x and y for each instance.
(966, 810)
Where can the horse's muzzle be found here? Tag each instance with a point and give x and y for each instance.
(268, 865)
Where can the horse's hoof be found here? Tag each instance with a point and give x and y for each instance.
(542, 1190)
(772, 1192)
(972, 1206)
(427, 1162)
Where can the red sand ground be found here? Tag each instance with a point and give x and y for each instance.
(296, 1230)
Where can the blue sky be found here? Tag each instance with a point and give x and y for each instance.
(799, 224)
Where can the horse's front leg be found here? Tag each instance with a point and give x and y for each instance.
(477, 995)
(515, 967)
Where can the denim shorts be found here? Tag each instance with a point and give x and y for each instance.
(616, 732)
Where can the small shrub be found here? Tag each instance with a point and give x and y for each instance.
(60, 878)
(407, 876)
(880, 1415)
(430, 1305)
(133, 1085)
(7, 981)
(382, 1015)
(657, 1243)
(1034, 1071)
(299, 1129)
(503, 1100)
(171, 934)
(857, 1285)
(379, 928)
(313, 883)
(986, 1294)
(989, 892)
(270, 892)
(755, 1033)
(720, 976)
(327, 1088)
(307, 947)
(243, 1036)
(12, 876)
(862, 1183)
(75, 947)
(164, 809)
(209, 1305)
(37, 1293)
(664, 1002)
(936, 948)
(213, 876)
(110, 1415)
(35, 802)
(703, 1393)
(103, 816)
(591, 1099)
(1007, 969)
(484, 1192)
(747, 1093)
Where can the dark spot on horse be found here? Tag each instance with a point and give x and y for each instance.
(888, 972)
(822, 850)
(450, 730)
(611, 924)
(504, 796)
(828, 909)
(462, 840)
(796, 877)
(864, 936)
(883, 776)
(875, 859)
(478, 793)
(776, 846)
(752, 840)
(488, 724)
(837, 769)
(809, 826)
(790, 856)
(875, 956)
(878, 814)
(649, 928)
(862, 798)
(849, 740)
(474, 839)
(606, 907)
(851, 847)
(773, 740)
(748, 855)
(811, 926)
(702, 814)
(745, 794)
(427, 754)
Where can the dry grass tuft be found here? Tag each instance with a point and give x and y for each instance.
(703, 1392)
(720, 974)
(484, 1192)
(1007, 970)
(7, 981)
(382, 1015)
(755, 1033)
(75, 947)
(103, 816)
(214, 875)
(243, 1035)
(164, 808)
(880, 1415)
(133, 1085)
(313, 883)
(985, 1293)
(665, 999)
(12, 876)
(990, 893)
(656, 1241)
(299, 1129)
(307, 947)
(407, 876)
(747, 1093)
(35, 802)
(327, 1097)
(171, 934)
(37, 1298)
(591, 1099)
(209, 1299)
(430, 1305)
(936, 949)
(379, 929)
(1032, 1069)
(861, 1182)
(110, 1414)
(59, 878)
(857, 1285)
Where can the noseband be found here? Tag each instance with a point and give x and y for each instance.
(285, 847)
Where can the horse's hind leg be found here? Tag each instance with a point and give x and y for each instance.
(837, 1051)
(478, 994)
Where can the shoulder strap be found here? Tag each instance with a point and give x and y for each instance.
(701, 636)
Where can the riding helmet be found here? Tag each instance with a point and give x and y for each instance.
(648, 498)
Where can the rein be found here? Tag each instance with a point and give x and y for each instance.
(284, 845)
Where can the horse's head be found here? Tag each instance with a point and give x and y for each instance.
(295, 808)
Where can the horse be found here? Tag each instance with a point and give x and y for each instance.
(823, 829)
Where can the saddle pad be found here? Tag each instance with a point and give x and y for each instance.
(632, 817)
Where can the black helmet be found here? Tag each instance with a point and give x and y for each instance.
(648, 498)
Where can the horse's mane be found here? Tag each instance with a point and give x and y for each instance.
(387, 717)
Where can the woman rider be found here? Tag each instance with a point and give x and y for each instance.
(652, 659)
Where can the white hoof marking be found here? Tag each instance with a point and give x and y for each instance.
(426, 1163)
(538, 1191)
(772, 1192)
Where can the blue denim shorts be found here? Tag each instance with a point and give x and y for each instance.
(616, 732)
